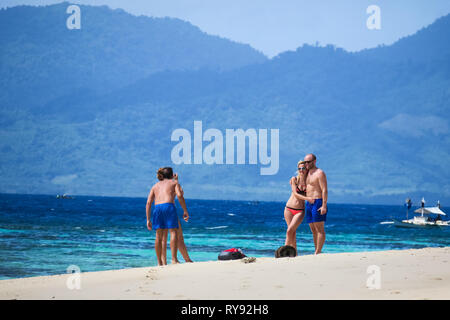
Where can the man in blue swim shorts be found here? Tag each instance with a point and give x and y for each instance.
(164, 218)
(316, 212)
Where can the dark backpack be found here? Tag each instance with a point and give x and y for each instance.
(231, 254)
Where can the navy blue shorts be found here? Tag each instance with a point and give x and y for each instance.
(312, 215)
(165, 216)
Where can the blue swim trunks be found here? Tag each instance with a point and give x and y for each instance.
(312, 215)
(165, 216)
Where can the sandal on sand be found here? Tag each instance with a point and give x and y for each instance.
(248, 259)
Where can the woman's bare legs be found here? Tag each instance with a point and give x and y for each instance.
(288, 218)
(294, 222)
(173, 245)
(181, 244)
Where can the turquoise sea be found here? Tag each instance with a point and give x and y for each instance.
(42, 235)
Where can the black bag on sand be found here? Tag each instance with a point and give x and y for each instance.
(285, 251)
(231, 254)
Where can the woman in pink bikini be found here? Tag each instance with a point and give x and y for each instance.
(294, 212)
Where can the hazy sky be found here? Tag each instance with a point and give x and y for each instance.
(273, 26)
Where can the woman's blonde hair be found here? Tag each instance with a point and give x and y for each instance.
(299, 176)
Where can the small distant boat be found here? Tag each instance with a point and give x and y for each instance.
(64, 196)
(425, 219)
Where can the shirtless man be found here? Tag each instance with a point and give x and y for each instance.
(165, 215)
(316, 212)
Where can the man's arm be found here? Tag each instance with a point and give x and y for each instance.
(180, 195)
(298, 196)
(148, 208)
(324, 188)
(175, 177)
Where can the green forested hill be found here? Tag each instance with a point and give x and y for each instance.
(41, 59)
(379, 125)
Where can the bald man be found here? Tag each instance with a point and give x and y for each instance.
(316, 212)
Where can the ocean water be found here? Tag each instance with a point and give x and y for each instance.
(42, 235)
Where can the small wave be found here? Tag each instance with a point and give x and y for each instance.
(219, 227)
(231, 214)
(387, 222)
(101, 230)
(11, 230)
(78, 228)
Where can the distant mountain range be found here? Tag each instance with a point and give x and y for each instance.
(92, 111)
(42, 59)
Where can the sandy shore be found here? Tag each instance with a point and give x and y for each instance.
(403, 274)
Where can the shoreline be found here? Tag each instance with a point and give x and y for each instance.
(399, 274)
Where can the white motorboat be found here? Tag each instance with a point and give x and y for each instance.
(425, 219)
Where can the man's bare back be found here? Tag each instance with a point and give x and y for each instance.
(164, 216)
(165, 191)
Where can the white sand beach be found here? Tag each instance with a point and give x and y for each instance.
(403, 274)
